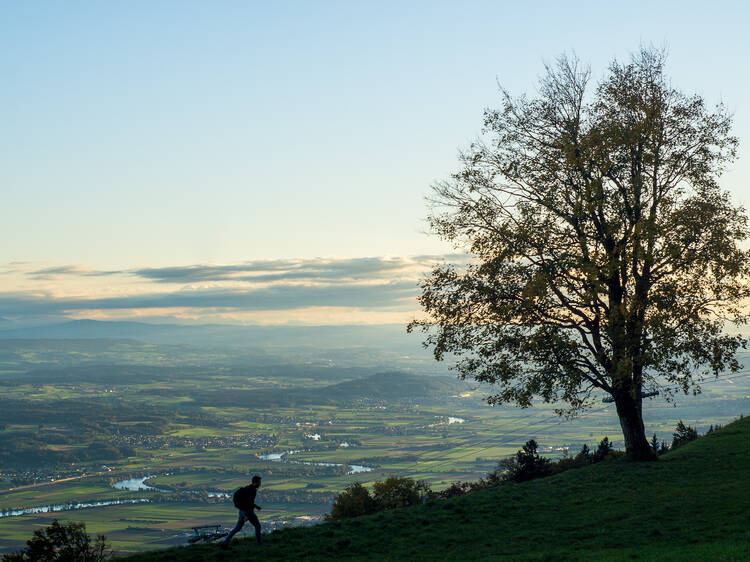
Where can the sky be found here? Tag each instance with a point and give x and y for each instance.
(267, 162)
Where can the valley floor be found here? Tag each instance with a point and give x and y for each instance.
(693, 504)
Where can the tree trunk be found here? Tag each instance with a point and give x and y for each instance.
(637, 446)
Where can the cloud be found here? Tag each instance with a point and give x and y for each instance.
(317, 269)
(262, 271)
(374, 284)
(278, 297)
(60, 270)
(77, 270)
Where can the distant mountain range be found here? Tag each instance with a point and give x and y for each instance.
(390, 336)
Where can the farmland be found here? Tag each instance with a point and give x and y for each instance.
(78, 417)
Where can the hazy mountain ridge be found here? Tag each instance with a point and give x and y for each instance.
(392, 386)
(386, 335)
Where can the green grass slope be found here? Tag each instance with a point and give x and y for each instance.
(693, 504)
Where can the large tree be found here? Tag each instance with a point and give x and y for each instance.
(605, 255)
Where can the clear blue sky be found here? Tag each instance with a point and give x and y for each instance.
(153, 133)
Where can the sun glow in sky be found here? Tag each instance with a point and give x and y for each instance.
(260, 161)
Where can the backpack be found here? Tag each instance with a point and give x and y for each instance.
(240, 498)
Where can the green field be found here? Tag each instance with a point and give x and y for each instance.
(138, 527)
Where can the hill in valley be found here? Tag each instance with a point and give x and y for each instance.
(391, 386)
(381, 386)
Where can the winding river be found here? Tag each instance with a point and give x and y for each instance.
(139, 485)
(280, 457)
(68, 507)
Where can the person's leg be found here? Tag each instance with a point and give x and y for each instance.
(254, 520)
(237, 527)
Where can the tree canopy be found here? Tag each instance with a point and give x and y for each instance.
(605, 254)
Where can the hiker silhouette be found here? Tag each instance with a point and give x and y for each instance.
(244, 501)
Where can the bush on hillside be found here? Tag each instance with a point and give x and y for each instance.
(354, 501)
(526, 465)
(399, 492)
(456, 489)
(394, 492)
(494, 478)
(683, 434)
(584, 456)
(61, 542)
(604, 451)
(659, 447)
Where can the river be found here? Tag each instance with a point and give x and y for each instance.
(68, 507)
(279, 457)
(139, 485)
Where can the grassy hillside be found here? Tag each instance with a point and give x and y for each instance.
(693, 504)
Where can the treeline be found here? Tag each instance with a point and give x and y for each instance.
(71, 430)
(109, 375)
(682, 434)
(74, 412)
(28, 448)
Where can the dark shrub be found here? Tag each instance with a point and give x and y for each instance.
(66, 542)
(457, 489)
(354, 501)
(683, 434)
(394, 492)
(399, 492)
(564, 464)
(659, 447)
(603, 451)
(526, 465)
(585, 456)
